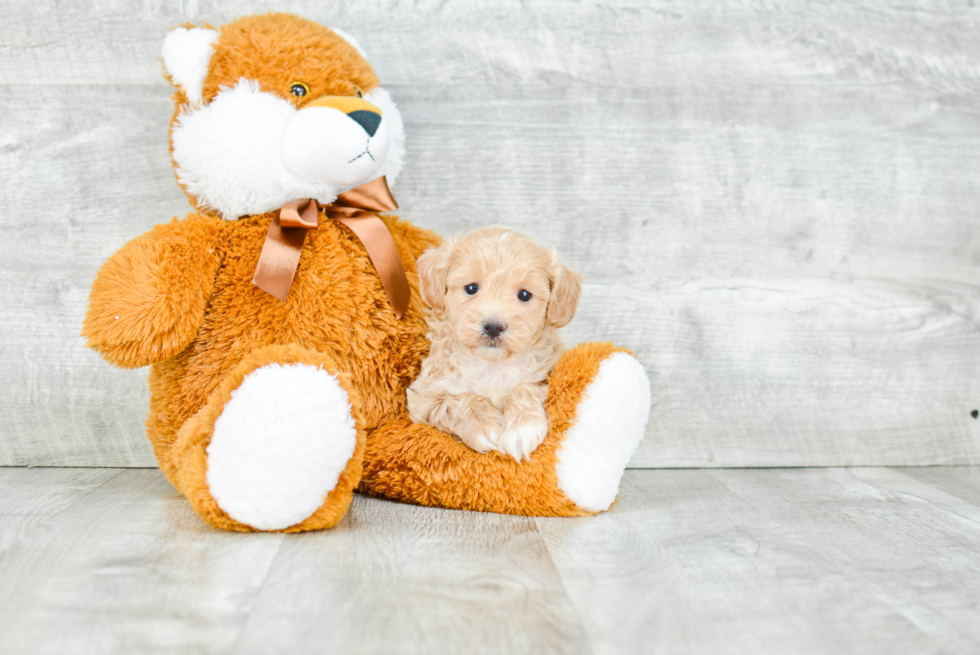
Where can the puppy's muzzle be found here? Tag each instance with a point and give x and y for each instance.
(493, 328)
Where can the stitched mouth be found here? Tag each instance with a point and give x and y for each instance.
(367, 151)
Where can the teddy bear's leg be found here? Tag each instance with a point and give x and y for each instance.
(278, 445)
(599, 398)
(598, 405)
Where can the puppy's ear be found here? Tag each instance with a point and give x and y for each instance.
(433, 267)
(566, 287)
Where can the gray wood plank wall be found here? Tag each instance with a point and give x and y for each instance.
(774, 204)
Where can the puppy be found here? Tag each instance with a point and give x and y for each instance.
(497, 300)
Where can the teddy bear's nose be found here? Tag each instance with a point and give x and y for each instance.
(366, 119)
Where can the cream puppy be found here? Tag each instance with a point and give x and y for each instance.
(497, 299)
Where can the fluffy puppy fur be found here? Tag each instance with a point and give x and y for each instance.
(496, 302)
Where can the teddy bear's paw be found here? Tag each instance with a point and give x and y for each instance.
(609, 424)
(280, 445)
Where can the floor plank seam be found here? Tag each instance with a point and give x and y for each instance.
(898, 607)
(561, 579)
(235, 647)
(931, 503)
(867, 582)
(55, 515)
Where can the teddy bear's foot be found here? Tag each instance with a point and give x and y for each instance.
(610, 420)
(281, 445)
(598, 403)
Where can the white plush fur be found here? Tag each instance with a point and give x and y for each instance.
(323, 145)
(280, 445)
(186, 55)
(392, 118)
(230, 152)
(609, 425)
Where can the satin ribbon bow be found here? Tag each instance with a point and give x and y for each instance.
(356, 209)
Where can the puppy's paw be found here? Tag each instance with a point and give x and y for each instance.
(519, 441)
(482, 425)
(482, 439)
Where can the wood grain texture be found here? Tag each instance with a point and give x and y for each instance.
(959, 481)
(29, 497)
(91, 181)
(805, 561)
(130, 568)
(774, 205)
(754, 372)
(789, 561)
(393, 578)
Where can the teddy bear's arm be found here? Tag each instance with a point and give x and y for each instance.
(148, 299)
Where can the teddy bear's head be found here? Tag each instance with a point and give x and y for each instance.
(275, 108)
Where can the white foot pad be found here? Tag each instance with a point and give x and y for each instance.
(609, 425)
(280, 445)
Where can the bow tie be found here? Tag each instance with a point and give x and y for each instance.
(356, 209)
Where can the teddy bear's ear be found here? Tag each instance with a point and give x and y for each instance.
(566, 287)
(433, 268)
(186, 54)
(351, 40)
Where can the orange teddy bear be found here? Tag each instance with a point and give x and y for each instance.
(282, 321)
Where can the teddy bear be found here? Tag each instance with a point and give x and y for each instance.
(281, 318)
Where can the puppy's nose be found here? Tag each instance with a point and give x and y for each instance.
(493, 329)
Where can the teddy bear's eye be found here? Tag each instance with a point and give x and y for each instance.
(524, 295)
(357, 91)
(299, 89)
(471, 289)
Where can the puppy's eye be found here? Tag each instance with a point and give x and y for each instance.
(524, 295)
(471, 289)
(299, 89)
(357, 91)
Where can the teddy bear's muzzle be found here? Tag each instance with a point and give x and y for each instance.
(355, 108)
(338, 140)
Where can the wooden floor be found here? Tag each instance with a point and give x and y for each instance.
(856, 560)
